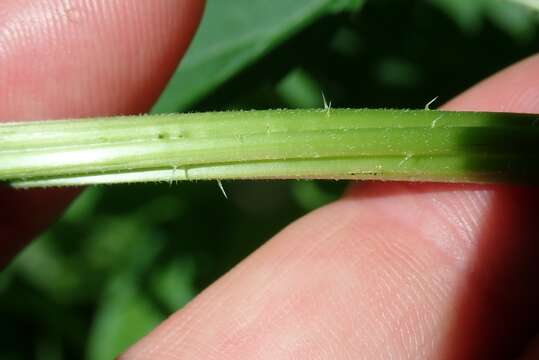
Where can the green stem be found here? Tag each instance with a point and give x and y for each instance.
(421, 145)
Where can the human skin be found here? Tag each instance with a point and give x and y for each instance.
(391, 270)
(79, 58)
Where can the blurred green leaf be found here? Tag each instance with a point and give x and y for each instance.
(507, 14)
(173, 283)
(233, 34)
(343, 5)
(397, 72)
(311, 196)
(517, 20)
(84, 205)
(6, 277)
(467, 13)
(115, 242)
(299, 90)
(44, 267)
(534, 4)
(124, 316)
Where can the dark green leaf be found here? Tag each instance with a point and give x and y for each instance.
(232, 37)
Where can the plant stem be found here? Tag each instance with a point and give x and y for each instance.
(419, 145)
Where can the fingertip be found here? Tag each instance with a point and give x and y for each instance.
(79, 58)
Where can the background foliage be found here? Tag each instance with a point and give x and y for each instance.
(123, 258)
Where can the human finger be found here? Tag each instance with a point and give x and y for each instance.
(392, 270)
(79, 58)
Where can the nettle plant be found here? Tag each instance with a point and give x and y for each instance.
(413, 145)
